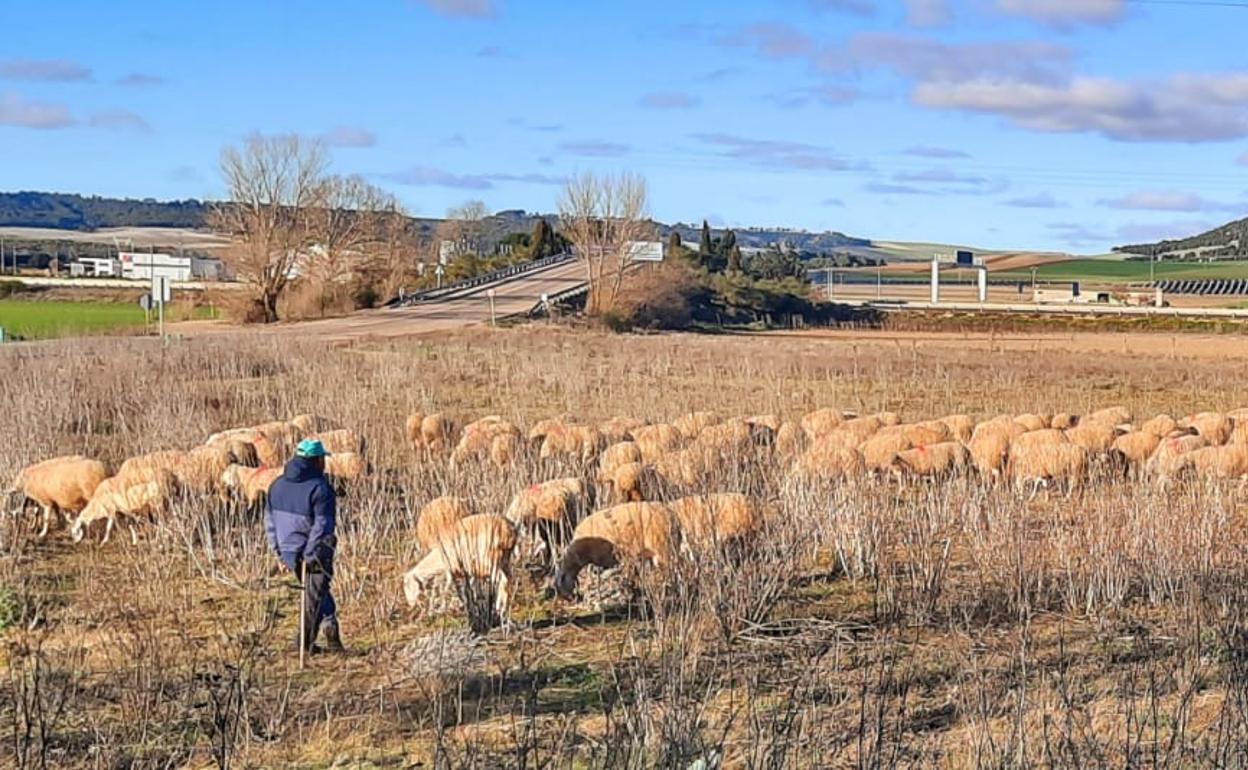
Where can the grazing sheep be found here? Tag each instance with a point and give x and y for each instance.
(692, 424)
(1214, 427)
(252, 483)
(821, 422)
(961, 426)
(790, 441)
(1136, 447)
(620, 428)
(941, 460)
(770, 421)
(1096, 437)
(827, 460)
(621, 453)
(1064, 421)
(478, 441)
(733, 437)
(346, 466)
(61, 485)
(930, 432)
(1034, 422)
(430, 433)
(580, 443)
(716, 521)
(1166, 458)
(475, 547)
(990, 445)
(1045, 463)
(1160, 426)
(504, 449)
(1038, 438)
(309, 424)
(1239, 434)
(887, 419)
(124, 498)
(549, 511)
(632, 483)
(438, 517)
(878, 450)
(1229, 461)
(543, 428)
(1112, 415)
(342, 440)
(655, 441)
(642, 532)
(854, 432)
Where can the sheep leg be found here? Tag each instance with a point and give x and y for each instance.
(47, 518)
(108, 530)
(502, 598)
(134, 535)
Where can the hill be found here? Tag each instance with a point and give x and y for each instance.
(67, 211)
(1230, 241)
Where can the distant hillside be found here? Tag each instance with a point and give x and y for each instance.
(760, 237)
(76, 212)
(1230, 241)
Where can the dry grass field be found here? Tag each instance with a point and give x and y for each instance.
(877, 623)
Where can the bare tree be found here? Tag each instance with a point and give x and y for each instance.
(465, 227)
(274, 185)
(346, 229)
(600, 215)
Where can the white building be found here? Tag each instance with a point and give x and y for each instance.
(95, 267)
(140, 266)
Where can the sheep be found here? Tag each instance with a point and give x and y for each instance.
(1064, 421)
(709, 522)
(620, 428)
(1111, 415)
(854, 432)
(543, 428)
(692, 424)
(504, 449)
(621, 453)
(945, 459)
(475, 547)
(820, 422)
(1166, 458)
(960, 426)
(990, 445)
(887, 419)
(1160, 426)
(1239, 434)
(930, 432)
(1214, 427)
(790, 440)
(342, 440)
(580, 443)
(1034, 422)
(1038, 438)
(429, 432)
(120, 497)
(342, 467)
(732, 438)
(1229, 461)
(252, 483)
(61, 484)
(197, 471)
(642, 532)
(1044, 463)
(1136, 447)
(308, 424)
(655, 441)
(548, 510)
(479, 440)
(878, 450)
(438, 517)
(825, 460)
(770, 421)
(633, 483)
(1096, 437)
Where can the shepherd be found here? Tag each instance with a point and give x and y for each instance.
(299, 520)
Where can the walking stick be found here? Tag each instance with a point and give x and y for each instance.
(303, 608)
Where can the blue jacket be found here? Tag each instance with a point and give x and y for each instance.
(299, 516)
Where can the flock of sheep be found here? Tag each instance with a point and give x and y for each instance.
(641, 473)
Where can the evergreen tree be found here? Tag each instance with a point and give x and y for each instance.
(705, 246)
(727, 243)
(542, 242)
(674, 243)
(734, 259)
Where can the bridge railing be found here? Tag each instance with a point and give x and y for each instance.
(404, 299)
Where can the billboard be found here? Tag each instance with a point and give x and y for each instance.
(645, 251)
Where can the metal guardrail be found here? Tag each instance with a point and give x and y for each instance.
(541, 307)
(403, 300)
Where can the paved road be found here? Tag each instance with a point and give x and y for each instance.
(470, 306)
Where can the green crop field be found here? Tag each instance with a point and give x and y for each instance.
(1127, 271)
(48, 319)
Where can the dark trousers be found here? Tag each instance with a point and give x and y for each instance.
(318, 602)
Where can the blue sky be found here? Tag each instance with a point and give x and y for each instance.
(1071, 125)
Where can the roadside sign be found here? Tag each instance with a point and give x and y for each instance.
(145, 302)
(644, 251)
(489, 293)
(162, 289)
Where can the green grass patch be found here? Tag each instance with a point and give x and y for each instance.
(32, 319)
(1128, 271)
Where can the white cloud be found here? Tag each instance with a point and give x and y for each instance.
(18, 112)
(473, 9)
(928, 151)
(1168, 200)
(140, 79)
(1064, 14)
(1038, 201)
(348, 136)
(119, 120)
(48, 70)
(773, 153)
(775, 40)
(928, 13)
(426, 176)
